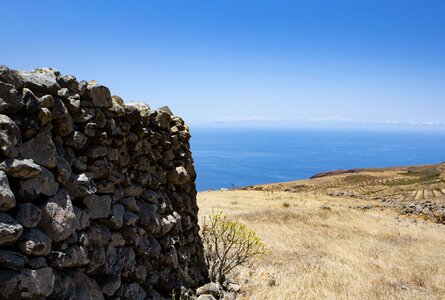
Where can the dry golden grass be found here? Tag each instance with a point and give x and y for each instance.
(319, 248)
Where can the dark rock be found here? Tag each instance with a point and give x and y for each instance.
(75, 256)
(10, 100)
(58, 218)
(178, 176)
(27, 284)
(132, 291)
(77, 140)
(64, 288)
(98, 206)
(69, 82)
(10, 230)
(10, 137)
(110, 285)
(37, 262)
(12, 260)
(28, 214)
(99, 95)
(42, 80)
(44, 184)
(7, 198)
(21, 168)
(8, 76)
(41, 149)
(80, 185)
(86, 288)
(34, 243)
(32, 103)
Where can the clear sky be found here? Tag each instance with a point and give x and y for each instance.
(282, 62)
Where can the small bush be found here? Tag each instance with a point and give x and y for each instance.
(228, 244)
(286, 204)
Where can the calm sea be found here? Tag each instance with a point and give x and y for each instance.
(240, 157)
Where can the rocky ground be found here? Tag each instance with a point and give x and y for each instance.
(418, 190)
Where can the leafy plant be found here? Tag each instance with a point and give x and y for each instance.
(227, 245)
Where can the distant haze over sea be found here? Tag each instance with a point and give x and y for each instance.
(226, 157)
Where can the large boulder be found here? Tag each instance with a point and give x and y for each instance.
(27, 284)
(10, 230)
(58, 218)
(10, 137)
(43, 80)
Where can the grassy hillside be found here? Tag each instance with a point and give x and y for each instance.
(336, 237)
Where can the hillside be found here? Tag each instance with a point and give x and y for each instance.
(365, 234)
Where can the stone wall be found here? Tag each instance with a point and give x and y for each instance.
(97, 197)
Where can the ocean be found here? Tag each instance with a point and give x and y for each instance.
(231, 157)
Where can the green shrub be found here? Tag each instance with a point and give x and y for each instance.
(228, 244)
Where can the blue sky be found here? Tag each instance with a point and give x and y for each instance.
(283, 63)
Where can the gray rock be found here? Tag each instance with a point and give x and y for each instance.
(10, 137)
(41, 149)
(8, 76)
(44, 184)
(43, 80)
(99, 95)
(69, 82)
(10, 100)
(98, 206)
(132, 291)
(206, 297)
(10, 230)
(75, 256)
(81, 185)
(34, 243)
(58, 218)
(64, 287)
(7, 198)
(12, 260)
(86, 288)
(28, 214)
(214, 289)
(27, 284)
(21, 168)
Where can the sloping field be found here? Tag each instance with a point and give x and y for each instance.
(339, 246)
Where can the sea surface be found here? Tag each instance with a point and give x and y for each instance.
(230, 157)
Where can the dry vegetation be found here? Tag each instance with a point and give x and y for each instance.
(323, 247)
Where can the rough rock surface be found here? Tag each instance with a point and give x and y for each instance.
(97, 198)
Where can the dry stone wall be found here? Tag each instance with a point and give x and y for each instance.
(97, 197)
